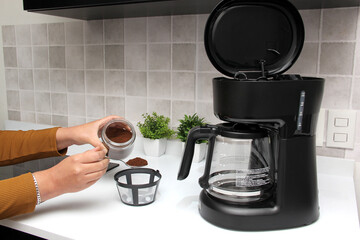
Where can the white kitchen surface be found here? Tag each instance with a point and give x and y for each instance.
(98, 213)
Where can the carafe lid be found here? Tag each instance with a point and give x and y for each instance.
(254, 38)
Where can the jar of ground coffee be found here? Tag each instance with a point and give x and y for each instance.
(118, 136)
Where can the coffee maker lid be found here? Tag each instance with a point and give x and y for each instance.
(254, 38)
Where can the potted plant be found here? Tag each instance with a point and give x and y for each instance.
(155, 130)
(187, 123)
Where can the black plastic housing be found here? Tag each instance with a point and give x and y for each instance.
(269, 101)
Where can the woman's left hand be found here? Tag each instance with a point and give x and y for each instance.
(82, 134)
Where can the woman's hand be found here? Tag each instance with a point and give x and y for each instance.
(82, 134)
(72, 174)
(81, 170)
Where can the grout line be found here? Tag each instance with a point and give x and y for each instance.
(66, 88)
(147, 63)
(196, 86)
(32, 74)
(120, 69)
(356, 50)
(48, 72)
(32, 70)
(125, 73)
(127, 43)
(84, 71)
(17, 69)
(104, 85)
(319, 46)
(171, 71)
(49, 82)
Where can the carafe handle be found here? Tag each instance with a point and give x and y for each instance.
(204, 180)
(196, 133)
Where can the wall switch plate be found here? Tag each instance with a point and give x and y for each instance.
(320, 128)
(341, 129)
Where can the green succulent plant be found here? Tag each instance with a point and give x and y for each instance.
(155, 126)
(187, 123)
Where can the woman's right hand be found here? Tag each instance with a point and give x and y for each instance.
(72, 174)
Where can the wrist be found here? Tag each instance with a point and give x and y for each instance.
(38, 196)
(63, 138)
(46, 185)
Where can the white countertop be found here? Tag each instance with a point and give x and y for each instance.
(98, 213)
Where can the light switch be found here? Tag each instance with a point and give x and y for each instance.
(341, 129)
(341, 122)
(340, 137)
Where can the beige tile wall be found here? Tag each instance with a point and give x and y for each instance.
(73, 72)
(331, 51)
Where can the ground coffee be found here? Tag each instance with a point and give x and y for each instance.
(137, 162)
(118, 133)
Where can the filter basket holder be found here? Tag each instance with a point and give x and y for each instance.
(137, 186)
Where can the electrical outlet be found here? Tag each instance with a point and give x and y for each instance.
(320, 128)
(341, 129)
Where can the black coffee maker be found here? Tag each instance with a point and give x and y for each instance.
(260, 169)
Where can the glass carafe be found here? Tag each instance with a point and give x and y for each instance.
(240, 169)
(239, 165)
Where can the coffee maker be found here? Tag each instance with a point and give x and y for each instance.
(260, 169)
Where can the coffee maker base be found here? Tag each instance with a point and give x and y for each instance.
(249, 218)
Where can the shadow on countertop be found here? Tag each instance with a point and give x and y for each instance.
(34, 166)
(30, 166)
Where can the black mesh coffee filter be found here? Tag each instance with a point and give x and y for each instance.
(137, 186)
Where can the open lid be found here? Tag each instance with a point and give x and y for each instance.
(254, 38)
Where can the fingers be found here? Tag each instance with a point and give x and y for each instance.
(89, 132)
(97, 143)
(96, 170)
(94, 155)
(77, 172)
(96, 166)
(91, 183)
(104, 120)
(95, 176)
(93, 160)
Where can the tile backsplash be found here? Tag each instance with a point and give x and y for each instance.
(74, 72)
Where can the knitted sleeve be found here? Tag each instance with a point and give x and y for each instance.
(22, 146)
(18, 194)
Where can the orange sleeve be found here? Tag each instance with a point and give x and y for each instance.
(18, 194)
(22, 146)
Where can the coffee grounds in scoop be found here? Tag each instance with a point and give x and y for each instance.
(118, 133)
(137, 162)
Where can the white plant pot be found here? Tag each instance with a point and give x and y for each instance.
(154, 147)
(199, 151)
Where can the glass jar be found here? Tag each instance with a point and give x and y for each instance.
(118, 136)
